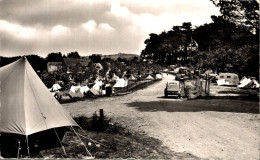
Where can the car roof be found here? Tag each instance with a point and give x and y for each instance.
(173, 82)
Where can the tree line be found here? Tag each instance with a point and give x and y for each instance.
(229, 44)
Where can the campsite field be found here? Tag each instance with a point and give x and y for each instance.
(205, 128)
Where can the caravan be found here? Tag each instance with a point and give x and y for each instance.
(229, 79)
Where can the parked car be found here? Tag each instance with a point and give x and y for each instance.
(172, 88)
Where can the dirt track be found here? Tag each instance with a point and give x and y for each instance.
(225, 129)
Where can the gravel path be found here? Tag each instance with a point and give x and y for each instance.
(205, 133)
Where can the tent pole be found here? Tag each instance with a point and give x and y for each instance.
(28, 149)
(82, 142)
(63, 148)
(0, 145)
(18, 151)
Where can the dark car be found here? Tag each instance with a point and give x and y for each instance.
(172, 88)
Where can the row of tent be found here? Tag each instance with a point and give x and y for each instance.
(97, 88)
(148, 77)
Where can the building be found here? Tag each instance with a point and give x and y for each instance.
(54, 66)
(78, 65)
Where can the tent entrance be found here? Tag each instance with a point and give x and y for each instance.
(10, 143)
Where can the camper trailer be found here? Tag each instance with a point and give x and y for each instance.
(229, 79)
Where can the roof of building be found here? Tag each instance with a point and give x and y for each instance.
(72, 62)
(54, 63)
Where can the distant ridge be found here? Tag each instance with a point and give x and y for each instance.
(121, 55)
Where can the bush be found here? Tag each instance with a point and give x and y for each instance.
(93, 123)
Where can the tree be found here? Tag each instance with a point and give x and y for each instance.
(95, 58)
(7, 60)
(226, 47)
(92, 69)
(222, 32)
(104, 69)
(165, 47)
(243, 60)
(73, 55)
(243, 13)
(186, 26)
(54, 57)
(38, 63)
(119, 59)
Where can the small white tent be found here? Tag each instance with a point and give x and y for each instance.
(84, 89)
(97, 85)
(55, 87)
(158, 76)
(75, 89)
(176, 70)
(120, 83)
(248, 83)
(132, 78)
(149, 77)
(243, 80)
(115, 77)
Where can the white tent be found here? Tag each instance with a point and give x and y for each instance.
(115, 77)
(94, 91)
(75, 89)
(97, 85)
(55, 87)
(248, 83)
(120, 83)
(243, 80)
(149, 77)
(176, 70)
(131, 78)
(84, 89)
(27, 106)
(158, 76)
(255, 84)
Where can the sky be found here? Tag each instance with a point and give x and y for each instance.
(92, 26)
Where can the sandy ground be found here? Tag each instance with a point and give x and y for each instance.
(203, 133)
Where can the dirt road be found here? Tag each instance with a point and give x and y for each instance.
(224, 129)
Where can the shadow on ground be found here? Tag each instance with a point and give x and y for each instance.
(236, 105)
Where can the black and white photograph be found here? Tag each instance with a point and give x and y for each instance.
(129, 79)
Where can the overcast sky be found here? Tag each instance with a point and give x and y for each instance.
(92, 26)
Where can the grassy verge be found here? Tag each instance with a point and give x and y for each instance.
(112, 141)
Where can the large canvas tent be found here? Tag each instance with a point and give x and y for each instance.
(26, 105)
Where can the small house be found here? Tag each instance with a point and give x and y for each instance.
(54, 66)
(78, 65)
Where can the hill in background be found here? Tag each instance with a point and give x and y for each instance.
(121, 55)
